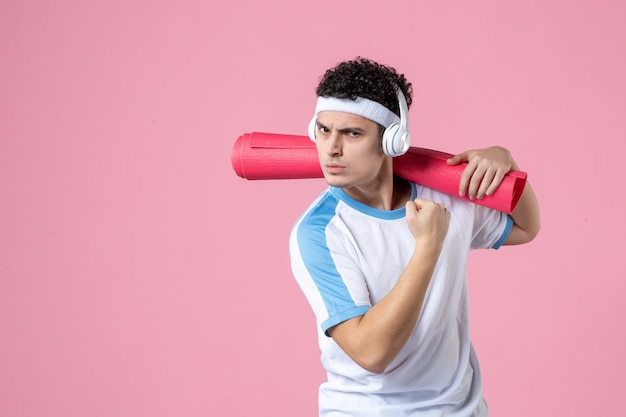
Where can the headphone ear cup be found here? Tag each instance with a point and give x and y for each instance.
(396, 140)
(313, 128)
(388, 136)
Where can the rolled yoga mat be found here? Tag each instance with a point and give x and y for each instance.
(265, 156)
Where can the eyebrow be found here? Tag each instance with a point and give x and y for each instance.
(343, 130)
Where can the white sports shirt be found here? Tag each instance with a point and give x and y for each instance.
(347, 256)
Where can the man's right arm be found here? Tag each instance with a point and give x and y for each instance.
(375, 339)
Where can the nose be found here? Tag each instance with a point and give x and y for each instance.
(333, 143)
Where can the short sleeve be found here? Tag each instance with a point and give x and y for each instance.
(325, 270)
(491, 228)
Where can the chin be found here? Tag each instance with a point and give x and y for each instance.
(335, 181)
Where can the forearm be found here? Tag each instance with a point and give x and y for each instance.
(375, 339)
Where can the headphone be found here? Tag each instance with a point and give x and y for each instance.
(396, 137)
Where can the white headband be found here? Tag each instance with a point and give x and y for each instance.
(363, 107)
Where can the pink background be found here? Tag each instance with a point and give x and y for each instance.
(139, 276)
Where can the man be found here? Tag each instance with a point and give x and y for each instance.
(382, 261)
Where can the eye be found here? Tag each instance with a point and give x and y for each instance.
(323, 129)
(354, 133)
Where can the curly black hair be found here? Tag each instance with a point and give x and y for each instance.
(362, 77)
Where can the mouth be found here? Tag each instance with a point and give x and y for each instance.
(334, 168)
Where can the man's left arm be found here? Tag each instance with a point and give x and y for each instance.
(484, 173)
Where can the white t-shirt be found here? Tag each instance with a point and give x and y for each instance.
(346, 257)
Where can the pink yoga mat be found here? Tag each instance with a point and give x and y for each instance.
(265, 156)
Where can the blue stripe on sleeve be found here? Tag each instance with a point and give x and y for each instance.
(343, 316)
(505, 234)
(319, 263)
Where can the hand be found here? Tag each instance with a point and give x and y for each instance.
(484, 171)
(427, 220)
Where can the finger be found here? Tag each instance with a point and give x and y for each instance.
(420, 203)
(486, 182)
(446, 214)
(466, 177)
(474, 184)
(457, 159)
(445, 211)
(495, 183)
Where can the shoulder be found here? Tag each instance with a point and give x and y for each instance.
(312, 223)
(323, 207)
(467, 214)
(453, 204)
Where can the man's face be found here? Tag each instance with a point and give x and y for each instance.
(349, 149)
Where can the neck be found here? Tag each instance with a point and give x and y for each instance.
(385, 192)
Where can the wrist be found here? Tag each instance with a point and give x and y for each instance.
(427, 247)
